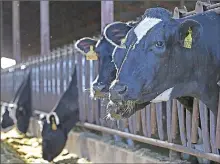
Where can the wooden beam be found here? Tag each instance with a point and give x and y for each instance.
(16, 31)
(44, 27)
(107, 13)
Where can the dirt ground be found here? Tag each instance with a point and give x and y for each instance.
(17, 148)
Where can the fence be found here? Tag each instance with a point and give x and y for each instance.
(167, 121)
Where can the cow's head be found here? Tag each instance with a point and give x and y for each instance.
(53, 137)
(156, 59)
(7, 122)
(125, 110)
(103, 48)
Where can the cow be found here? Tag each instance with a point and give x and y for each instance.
(103, 49)
(167, 59)
(7, 122)
(19, 109)
(118, 55)
(58, 123)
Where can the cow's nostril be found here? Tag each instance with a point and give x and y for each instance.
(123, 90)
(98, 87)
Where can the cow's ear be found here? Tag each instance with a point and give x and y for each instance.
(83, 45)
(189, 32)
(116, 32)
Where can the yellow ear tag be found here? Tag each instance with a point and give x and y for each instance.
(54, 126)
(188, 39)
(91, 55)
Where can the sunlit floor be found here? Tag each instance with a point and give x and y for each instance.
(17, 148)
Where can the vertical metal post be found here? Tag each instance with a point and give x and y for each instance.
(182, 3)
(16, 31)
(1, 27)
(107, 13)
(107, 16)
(44, 27)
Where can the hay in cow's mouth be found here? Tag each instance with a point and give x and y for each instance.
(120, 110)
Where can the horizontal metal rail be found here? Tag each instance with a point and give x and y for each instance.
(155, 142)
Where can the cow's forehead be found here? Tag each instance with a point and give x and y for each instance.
(144, 26)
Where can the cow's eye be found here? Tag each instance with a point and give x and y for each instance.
(159, 44)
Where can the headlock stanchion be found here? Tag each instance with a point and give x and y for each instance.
(47, 85)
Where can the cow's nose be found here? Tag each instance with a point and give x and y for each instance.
(118, 91)
(98, 87)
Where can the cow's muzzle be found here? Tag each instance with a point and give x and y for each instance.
(117, 92)
(98, 90)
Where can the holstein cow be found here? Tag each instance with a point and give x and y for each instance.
(7, 122)
(58, 123)
(125, 109)
(19, 109)
(166, 59)
(103, 49)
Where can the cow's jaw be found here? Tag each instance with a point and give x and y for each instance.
(165, 96)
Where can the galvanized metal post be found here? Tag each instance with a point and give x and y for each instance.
(1, 27)
(44, 27)
(107, 13)
(182, 3)
(16, 31)
(107, 16)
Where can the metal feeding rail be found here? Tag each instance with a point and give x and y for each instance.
(178, 13)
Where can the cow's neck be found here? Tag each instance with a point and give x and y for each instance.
(208, 94)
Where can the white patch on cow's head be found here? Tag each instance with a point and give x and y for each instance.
(165, 96)
(12, 111)
(218, 83)
(55, 116)
(144, 26)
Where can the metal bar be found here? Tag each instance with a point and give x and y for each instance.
(107, 13)
(153, 118)
(143, 120)
(188, 127)
(160, 121)
(148, 117)
(181, 123)
(1, 28)
(218, 125)
(204, 124)
(155, 142)
(45, 27)
(169, 120)
(16, 31)
(195, 121)
(174, 120)
(87, 85)
(212, 131)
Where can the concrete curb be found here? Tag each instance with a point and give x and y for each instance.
(95, 150)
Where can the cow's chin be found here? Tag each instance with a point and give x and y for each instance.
(120, 110)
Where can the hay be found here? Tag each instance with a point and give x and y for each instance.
(18, 148)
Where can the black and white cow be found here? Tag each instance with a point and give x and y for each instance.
(19, 109)
(160, 63)
(58, 123)
(7, 122)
